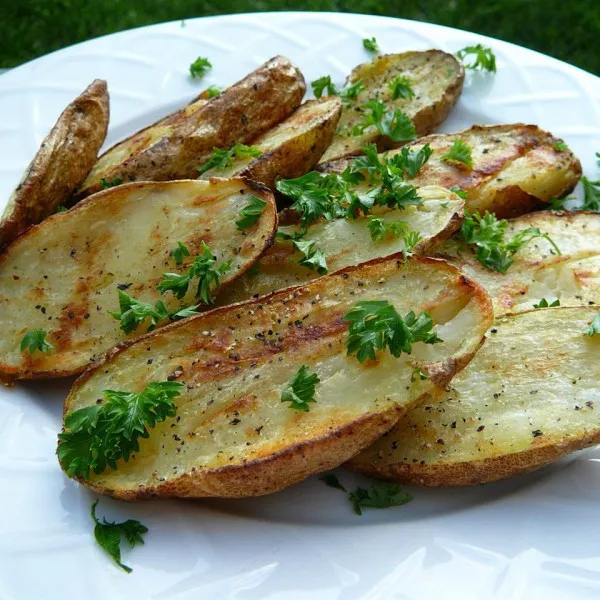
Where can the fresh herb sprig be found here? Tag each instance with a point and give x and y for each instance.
(109, 184)
(460, 154)
(300, 389)
(480, 58)
(222, 158)
(393, 124)
(200, 67)
(35, 340)
(543, 303)
(370, 45)
(180, 253)
(250, 214)
(313, 258)
(401, 88)
(132, 312)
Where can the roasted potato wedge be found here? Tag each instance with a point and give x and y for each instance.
(537, 271)
(529, 397)
(64, 159)
(347, 242)
(173, 149)
(233, 436)
(63, 275)
(516, 168)
(436, 78)
(291, 148)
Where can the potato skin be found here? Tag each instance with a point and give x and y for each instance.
(291, 445)
(516, 168)
(173, 150)
(64, 159)
(437, 79)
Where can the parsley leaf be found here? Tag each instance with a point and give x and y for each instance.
(375, 325)
(351, 92)
(395, 125)
(97, 436)
(108, 535)
(35, 339)
(411, 161)
(133, 312)
(300, 389)
(322, 84)
(370, 44)
(212, 91)
(313, 257)
(598, 158)
(251, 213)
(418, 375)
(383, 495)
(61, 208)
(459, 153)
(482, 58)
(459, 192)
(180, 253)
(221, 158)
(594, 326)
(487, 235)
(591, 195)
(332, 481)
(560, 146)
(401, 88)
(543, 303)
(108, 184)
(184, 313)
(200, 67)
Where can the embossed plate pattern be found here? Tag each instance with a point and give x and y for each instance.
(534, 537)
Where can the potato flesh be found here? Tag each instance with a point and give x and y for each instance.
(62, 276)
(235, 361)
(348, 242)
(534, 384)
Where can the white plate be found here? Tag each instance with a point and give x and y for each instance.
(534, 537)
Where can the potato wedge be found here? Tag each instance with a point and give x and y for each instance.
(347, 242)
(516, 168)
(537, 272)
(173, 149)
(436, 78)
(63, 275)
(291, 148)
(529, 397)
(64, 159)
(233, 436)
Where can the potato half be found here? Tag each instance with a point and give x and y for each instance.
(347, 242)
(436, 78)
(64, 159)
(537, 271)
(172, 149)
(516, 168)
(291, 148)
(233, 436)
(63, 275)
(528, 397)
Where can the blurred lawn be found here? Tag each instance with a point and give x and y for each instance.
(568, 30)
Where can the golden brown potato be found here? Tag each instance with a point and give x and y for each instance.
(174, 147)
(537, 271)
(63, 276)
(514, 168)
(529, 397)
(347, 242)
(291, 148)
(233, 436)
(436, 79)
(64, 159)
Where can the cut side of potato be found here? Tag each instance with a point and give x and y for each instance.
(63, 276)
(516, 168)
(233, 436)
(537, 271)
(291, 148)
(174, 147)
(347, 242)
(436, 79)
(529, 397)
(64, 159)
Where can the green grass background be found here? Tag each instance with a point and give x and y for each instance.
(566, 29)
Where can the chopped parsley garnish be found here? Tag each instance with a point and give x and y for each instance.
(300, 389)
(323, 84)
(250, 214)
(332, 481)
(418, 375)
(411, 161)
(61, 208)
(487, 235)
(133, 312)
(212, 91)
(313, 257)
(379, 230)
(401, 88)
(480, 58)
(35, 339)
(594, 326)
(180, 253)
(459, 192)
(109, 535)
(543, 303)
(591, 195)
(370, 44)
(459, 153)
(203, 268)
(395, 125)
(221, 158)
(200, 67)
(383, 495)
(351, 92)
(109, 184)
(184, 313)
(560, 146)
(375, 325)
(98, 436)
